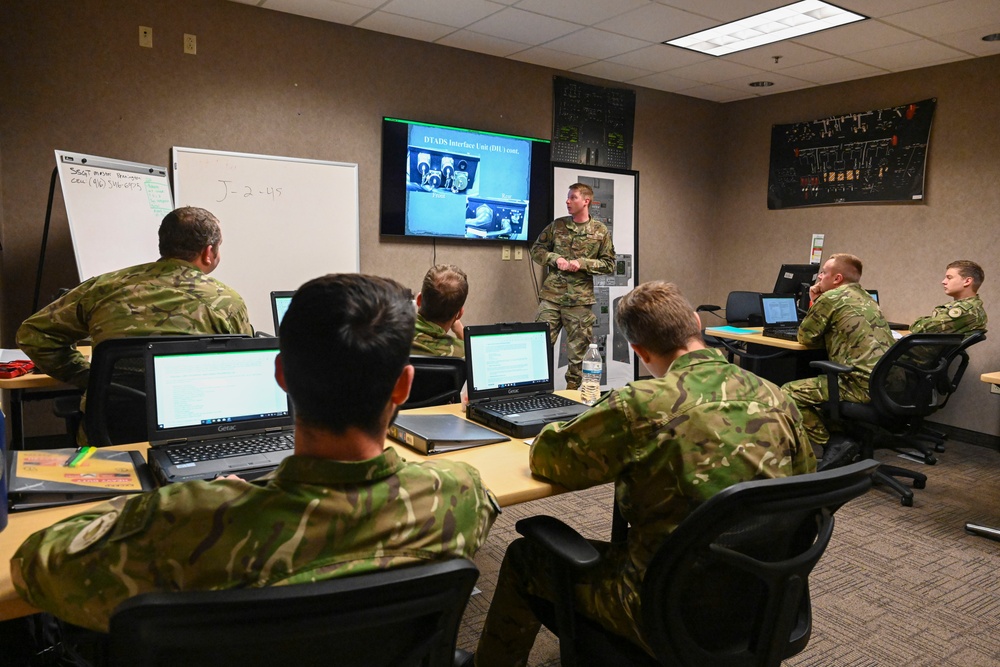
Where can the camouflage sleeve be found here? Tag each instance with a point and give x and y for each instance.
(812, 330)
(238, 321)
(604, 262)
(48, 337)
(541, 249)
(586, 451)
(936, 322)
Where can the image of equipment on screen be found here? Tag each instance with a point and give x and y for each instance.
(448, 182)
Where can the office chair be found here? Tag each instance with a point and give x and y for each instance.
(728, 588)
(912, 380)
(402, 617)
(742, 310)
(116, 392)
(437, 381)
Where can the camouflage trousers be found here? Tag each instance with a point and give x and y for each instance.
(809, 393)
(602, 594)
(579, 324)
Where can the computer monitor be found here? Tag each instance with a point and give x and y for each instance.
(792, 276)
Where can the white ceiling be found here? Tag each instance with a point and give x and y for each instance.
(620, 40)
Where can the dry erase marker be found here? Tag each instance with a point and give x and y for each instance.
(86, 454)
(72, 457)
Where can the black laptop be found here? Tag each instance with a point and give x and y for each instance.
(279, 304)
(509, 373)
(781, 316)
(214, 408)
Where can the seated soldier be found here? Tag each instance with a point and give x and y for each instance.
(342, 504)
(668, 444)
(440, 306)
(965, 313)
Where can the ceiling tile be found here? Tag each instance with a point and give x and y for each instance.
(659, 57)
(403, 26)
(714, 70)
(665, 81)
(608, 70)
(596, 43)
(947, 17)
(833, 70)
(520, 26)
(590, 12)
(971, 41)
(790, 54)
(861, 36)
(657, 23)
(727, 10)
(781, 83)
(717, 93)
(456, 13)
(540, 55)
(911, 55)
(876, 8)
(473, 41)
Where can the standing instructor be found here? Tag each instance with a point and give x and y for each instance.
(574, 248)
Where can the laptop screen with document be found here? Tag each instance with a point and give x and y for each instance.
(507, 359)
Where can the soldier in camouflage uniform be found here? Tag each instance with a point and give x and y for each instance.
(965, 314)
(440, 306)
(341, 505)
(173, 295)
(845, 318)
(574, 249)
(668, 444)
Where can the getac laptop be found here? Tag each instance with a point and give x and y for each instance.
(214, 408)
(781, 317)
(892, 325)
(279, 304)
(509, 372)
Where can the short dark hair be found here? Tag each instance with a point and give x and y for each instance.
(344, 342)
(585, 190)
(186, 231)
(969, 269)
(657, 317)
(443, 293)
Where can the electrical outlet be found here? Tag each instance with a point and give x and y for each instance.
(995, 388)
(505, 252)
(518, 253)
(190, 44)
(146, 36)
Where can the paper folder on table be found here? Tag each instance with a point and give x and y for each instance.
(434, 434)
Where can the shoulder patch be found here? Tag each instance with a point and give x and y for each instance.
(93, 531)
(135, 515)
(955, 312)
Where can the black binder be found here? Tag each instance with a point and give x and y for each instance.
(434, 434)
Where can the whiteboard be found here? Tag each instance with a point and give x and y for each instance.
(284, 220)
(114, 209)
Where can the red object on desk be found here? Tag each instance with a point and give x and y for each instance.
(13, 369)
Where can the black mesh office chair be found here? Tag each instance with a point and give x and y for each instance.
(436, 381)
(404, 617)
(728, 588)
(912, 380)
(116, 393)
(742, 310)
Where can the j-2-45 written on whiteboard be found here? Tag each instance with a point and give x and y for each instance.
(229, 188)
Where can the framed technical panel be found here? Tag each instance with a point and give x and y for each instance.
(862, 157)
(616, 204)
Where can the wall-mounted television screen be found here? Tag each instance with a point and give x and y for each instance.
(455, 183)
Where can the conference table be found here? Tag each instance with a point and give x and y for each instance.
(503, 467)
(992, 379)
(774, 359)
(32, 386)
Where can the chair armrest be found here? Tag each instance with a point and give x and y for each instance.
(560, 540)
(708, 308)
(832, 370)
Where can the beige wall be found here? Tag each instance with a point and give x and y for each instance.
(73, 77)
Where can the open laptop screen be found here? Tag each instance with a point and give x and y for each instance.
(506, 360)
(213, 387)
(778, 310)
(279, 304)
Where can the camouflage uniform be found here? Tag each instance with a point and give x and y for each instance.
(848, 321)
(430, 339)
(960, 316)
(668, 444)
(169, 296)
(566, 297)
(315, 519)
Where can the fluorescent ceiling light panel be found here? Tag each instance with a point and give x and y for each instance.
(795, 20)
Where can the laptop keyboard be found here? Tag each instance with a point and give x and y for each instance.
(532, 403)
(785, 333)
(221, 449)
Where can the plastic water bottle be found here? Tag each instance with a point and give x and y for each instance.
(590, 387)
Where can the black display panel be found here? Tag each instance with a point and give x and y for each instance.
(449, 182)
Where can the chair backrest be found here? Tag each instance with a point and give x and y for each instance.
(404, 617)
(116, 390)
(959, 361)
(744, 307)
(436, 381)
(729, 587)
(912, 378)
